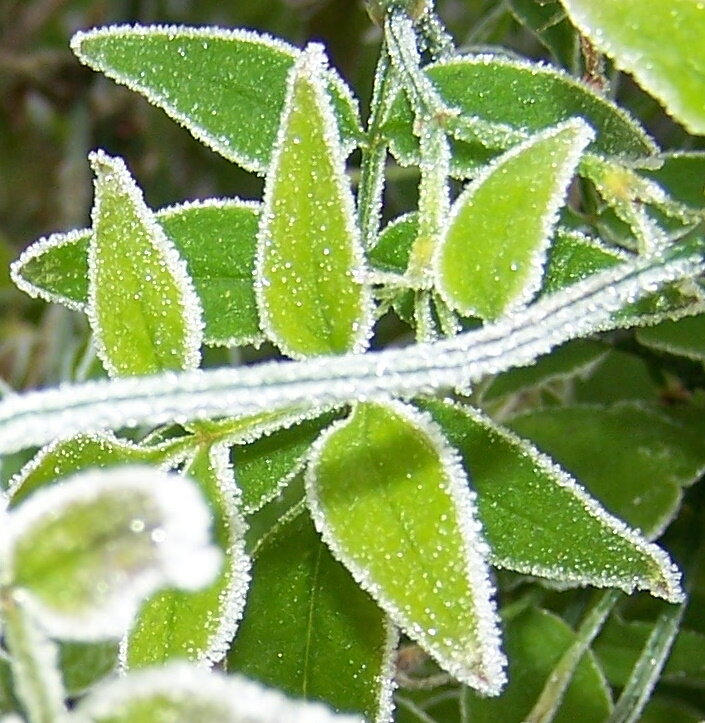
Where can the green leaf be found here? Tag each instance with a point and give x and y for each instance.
(521, 96)
(84, 664)
(651, 456)
(574, 359)
(198, 625)
(216, 239)
(548, 22)
(264, 466)
(142, 306)
(309, 247)
(389, 497)
(539, 521)
(182, 693)
(682, 174)
(310, 630)
(491, 255)
(535, 640)
(672, 71)
(685, 337)
(574, 256)
(227, 87)
(64, 457)
(85, 552)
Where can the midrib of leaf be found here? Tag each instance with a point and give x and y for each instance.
(583, 308)
(309, 621)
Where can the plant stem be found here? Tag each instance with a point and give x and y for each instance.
(648, 668)
(34, 664)
(374, 155)
(517, 340)
(552, 694)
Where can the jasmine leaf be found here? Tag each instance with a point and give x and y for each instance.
(198, 625)
(309, 247)
(516, 96)
(216, 239)
(651, 454)
(264, 466)
(82, 554)
(684, 337)
(310, 630)
(574, 359)
(491, 255)
(226, 87)
(64, 457)
(391, 500)
(182, 692)
(539, 521)
(574, 256)
(682, 174)
(142, 306)
(535, 641)
(673, 72)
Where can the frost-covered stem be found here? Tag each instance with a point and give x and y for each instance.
(648, 668)
(558, 681)
(33, 660)
(431, 115)
(517, 340)
(374, 154)
(434, 202)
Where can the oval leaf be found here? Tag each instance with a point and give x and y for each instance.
(540, 522)
(520, 95)
(144, 312)
(198, 625)
(651, 455)
(83, 553)
(660, 45)
(392, 501)
(226, 87)
(309, 247)
(65, 457)
(216, 239)
(181, 692)
(491, 255)
(303, 611)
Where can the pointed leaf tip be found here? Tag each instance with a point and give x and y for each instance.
(85, 552)
(309, 248)
(142, 305)
(391, 500)
(492, 252)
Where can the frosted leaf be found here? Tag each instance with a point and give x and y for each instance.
(501, 100)
(186, 693)
(403, 522)
(309, 248)
(67, 456)
(315, 619)
(198, 625)
(216, 239)
(539, 521)
(632, 33)
(142, 306)
(491, 256)
(583, 308)
(226, 87)
(83, 553)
